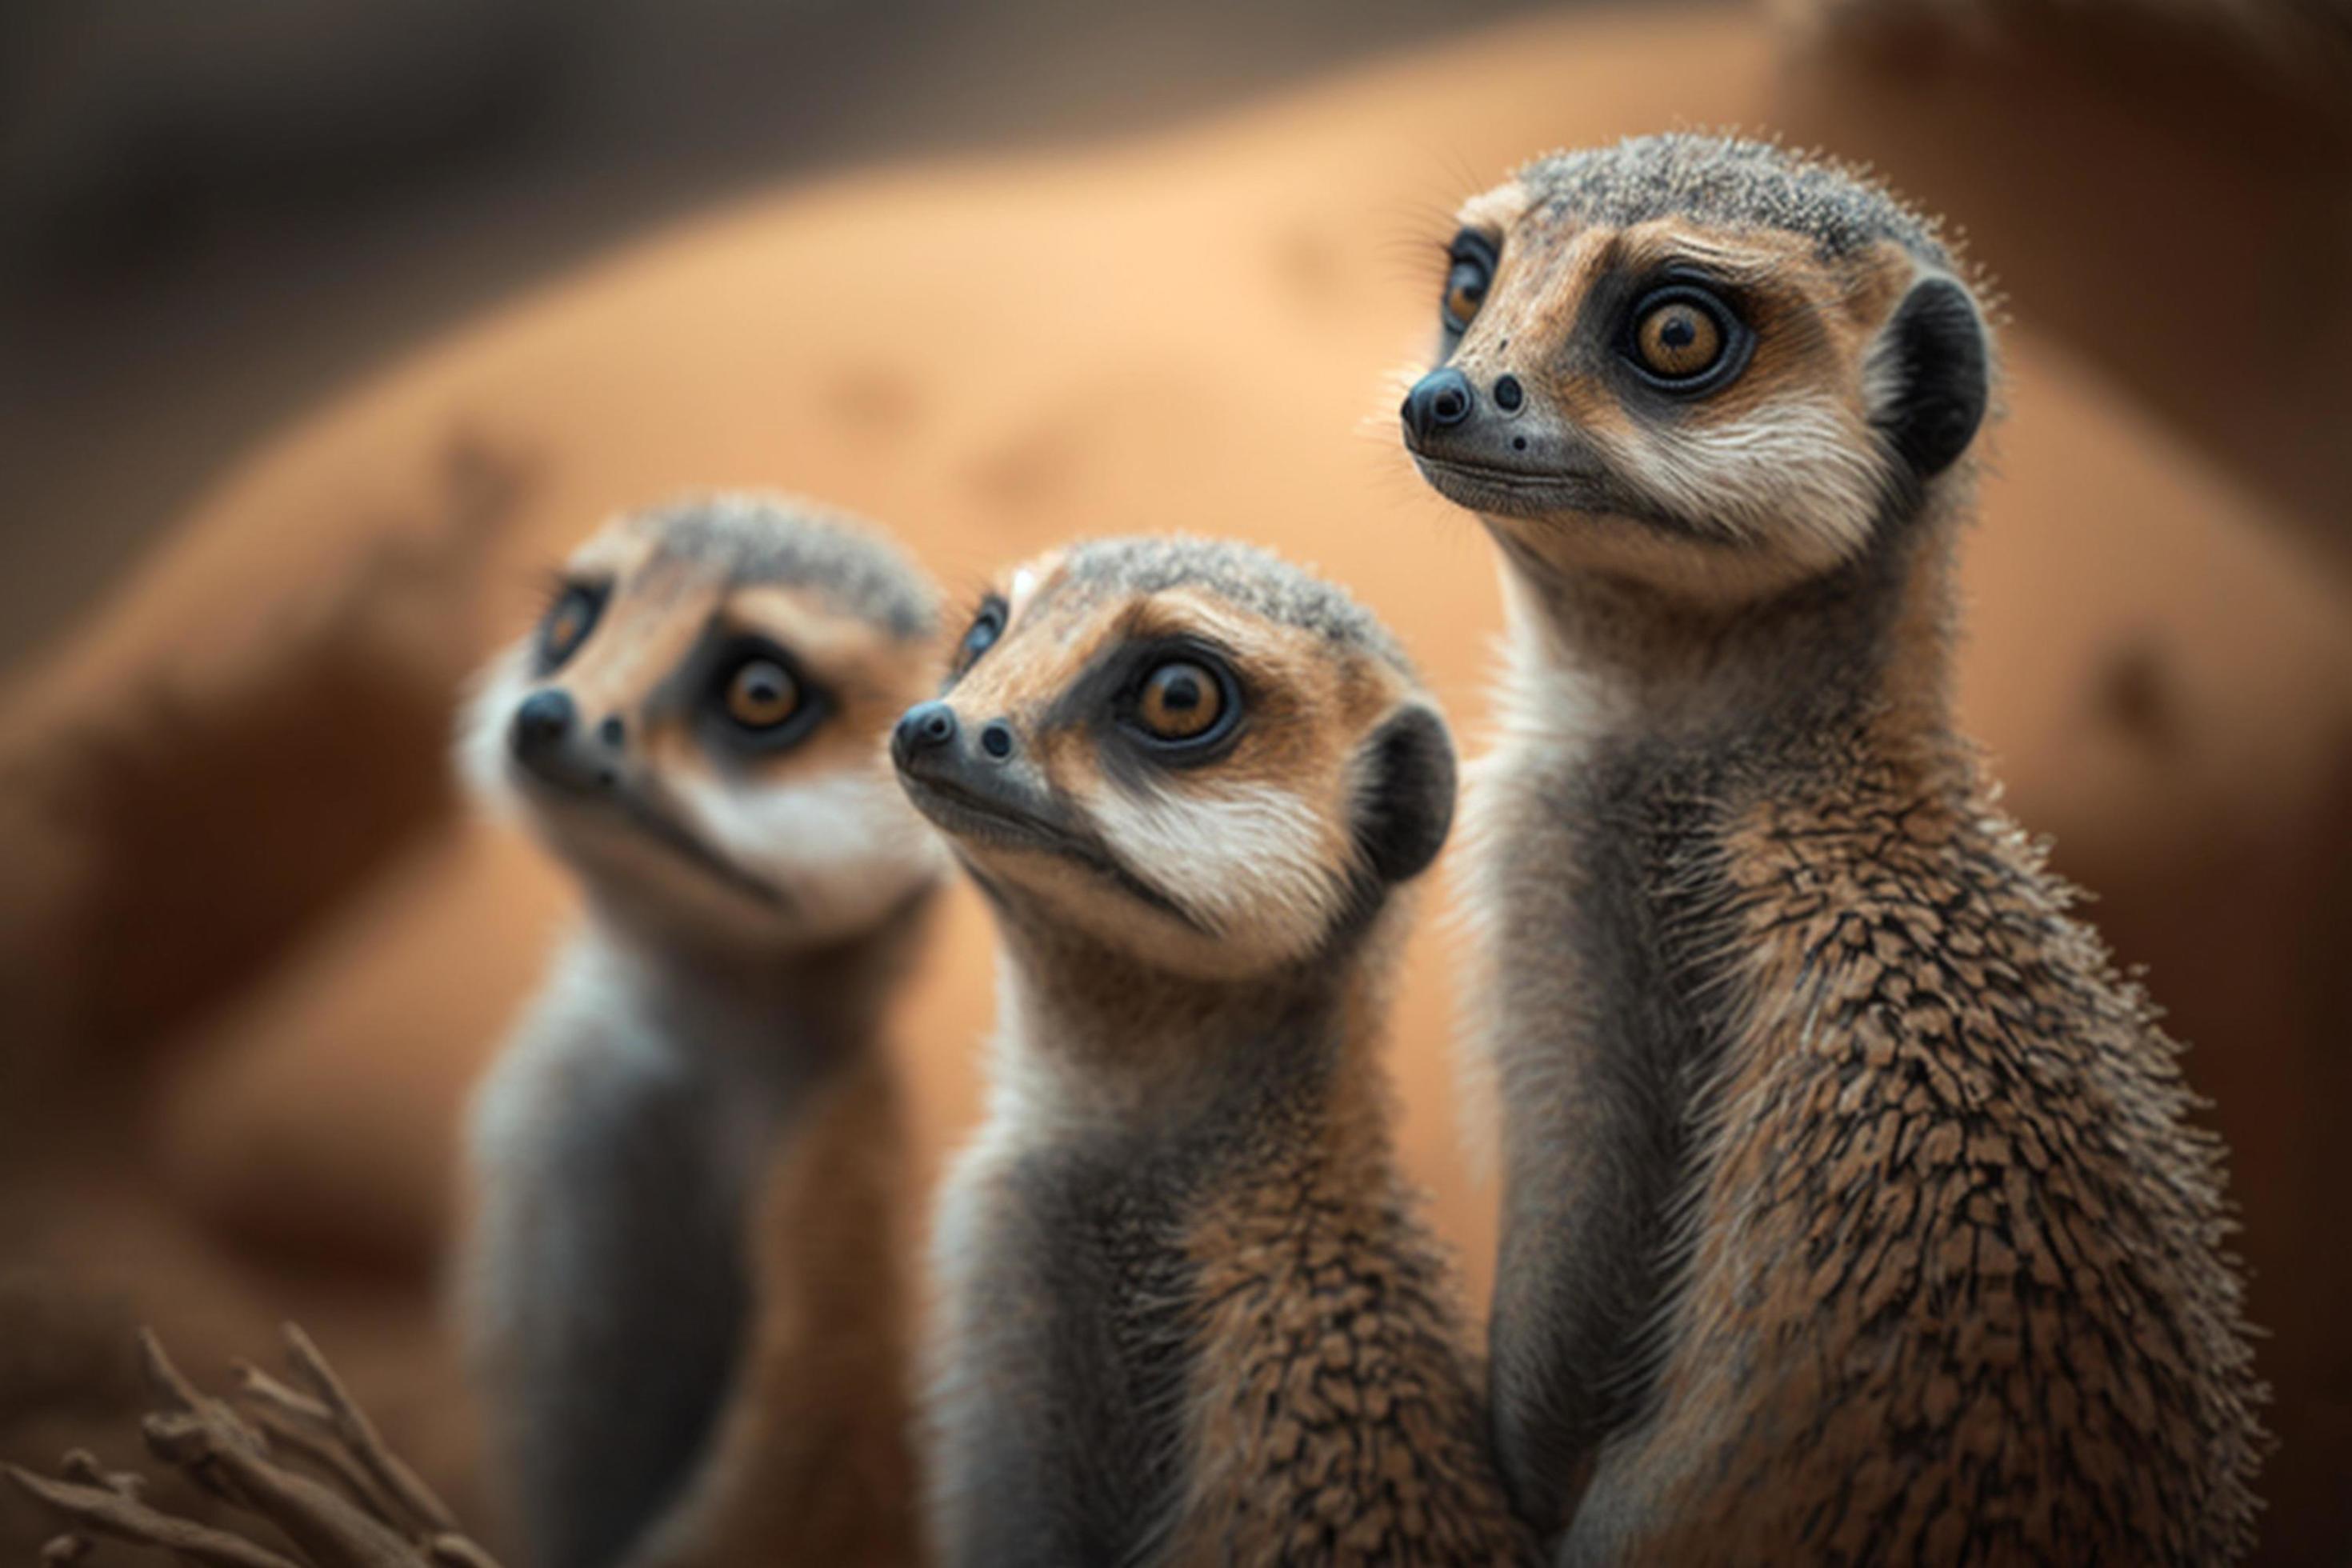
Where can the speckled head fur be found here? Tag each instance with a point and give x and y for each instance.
(1708, 363)
(1190, 750)
(695, 725)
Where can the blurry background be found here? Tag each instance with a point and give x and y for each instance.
(210, 213)
(324, 329)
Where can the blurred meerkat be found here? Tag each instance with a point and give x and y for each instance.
(1851, 1209)
(680, 1287)
(1189, 1314)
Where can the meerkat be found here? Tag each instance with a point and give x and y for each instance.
(1850, 1208)
(1188, 1312)
(679, 1284)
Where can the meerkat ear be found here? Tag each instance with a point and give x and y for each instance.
(1405, 802)
(1936, 372)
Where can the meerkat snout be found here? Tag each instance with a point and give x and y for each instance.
(1438, 400)
(930, 739)
(548, 742)
(922, 729)
(541, 722)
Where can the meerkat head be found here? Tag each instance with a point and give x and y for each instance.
(696, 724)
(1706, 364)
(1193, 752)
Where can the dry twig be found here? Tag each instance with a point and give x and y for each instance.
(302, 1456)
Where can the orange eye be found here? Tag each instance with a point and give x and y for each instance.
(1180, 701)
(1470, 269)
(1679, 339)
(568, 624)
(761, 694)
(1465, 292)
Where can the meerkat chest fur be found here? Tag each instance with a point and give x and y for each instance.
(1826, 1124)
(1589, 1029)
(1944, 1189)
(1223, 1292)
(631, 1069)
(742, 1052)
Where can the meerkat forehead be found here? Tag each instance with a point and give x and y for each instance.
(1254, 581)
(1717, 180)
(750, 541)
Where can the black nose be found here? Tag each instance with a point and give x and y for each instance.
(1439, 400)
(925, 727)
(540, 721)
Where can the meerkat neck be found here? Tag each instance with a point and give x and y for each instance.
(1239, 1327)
(1107, 1044)
(1634, 730)
(797, 1008)
(1861, 654)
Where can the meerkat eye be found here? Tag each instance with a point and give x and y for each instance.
(569, 621)
(986, 627)
(1685, 339)
(1470, 269)
(1680, 340)
(1185, 703)
(761, 694)
(758, 701)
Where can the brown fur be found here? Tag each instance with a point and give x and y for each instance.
(1851, 1210)
(1189, 1316)
(1940, 1275)
(813, 1449)
(1335, 1420)
(1942, 1109)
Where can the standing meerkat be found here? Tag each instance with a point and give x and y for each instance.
(681, 1285)
(1189, 1315)
(1851, 1213)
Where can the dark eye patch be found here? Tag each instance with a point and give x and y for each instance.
(1673, 333)
(570, 617)
(1470, 263)
(748, 696)
(1106, 699)
(987, 626)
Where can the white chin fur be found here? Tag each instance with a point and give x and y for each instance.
(1800, 478)
(846, 846)
(1257, 863)
(479, 754)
